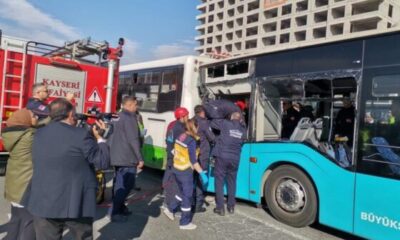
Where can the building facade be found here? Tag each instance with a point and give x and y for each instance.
(236, 27)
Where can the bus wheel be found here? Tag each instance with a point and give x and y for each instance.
(101, 187)
(291, 197)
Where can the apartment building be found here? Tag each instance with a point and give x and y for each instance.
(245, 26)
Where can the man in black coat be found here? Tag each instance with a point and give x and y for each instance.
(126, 157)
(344, 122)
(37, 103)
(206, 138)
(290, 119)
(63, 190)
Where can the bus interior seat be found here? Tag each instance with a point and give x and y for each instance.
(321, 141)
(387, 153)
(315, 135)
(302, 130)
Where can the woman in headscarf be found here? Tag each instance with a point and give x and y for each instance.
(17, 140)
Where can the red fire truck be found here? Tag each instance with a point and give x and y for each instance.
(87, 68)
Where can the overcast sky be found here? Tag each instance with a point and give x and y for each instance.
(153, 29)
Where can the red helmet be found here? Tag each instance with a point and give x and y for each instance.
(181, 112)
(241, 105)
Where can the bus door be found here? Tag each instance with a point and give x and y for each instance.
(377, 202)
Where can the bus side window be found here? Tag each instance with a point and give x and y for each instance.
(169, 99)
(145, 87)
(379, 130)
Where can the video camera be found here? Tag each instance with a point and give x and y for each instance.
(96, 114)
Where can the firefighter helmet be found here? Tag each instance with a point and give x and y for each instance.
(241, 105)
(181, 112)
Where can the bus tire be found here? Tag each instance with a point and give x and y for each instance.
(291, 197)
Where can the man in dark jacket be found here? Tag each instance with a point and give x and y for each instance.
(227, 152)
(37, 103)
(126, 157)
(206, 138)
(290, 119)
(344, 123)
(63, 187)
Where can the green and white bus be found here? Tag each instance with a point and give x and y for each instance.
(161, 86)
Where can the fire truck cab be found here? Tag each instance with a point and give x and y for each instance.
(86, 68)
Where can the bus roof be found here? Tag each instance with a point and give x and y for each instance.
(306, 44)
(161, 63)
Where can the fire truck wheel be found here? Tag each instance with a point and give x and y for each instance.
(101, 186)
(291, 197)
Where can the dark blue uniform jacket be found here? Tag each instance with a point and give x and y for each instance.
(229, 142)
(38, 107)
(206, 138)
(221, 108)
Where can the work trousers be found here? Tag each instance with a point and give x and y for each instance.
(198, 191)
(20, 226)
(52, 229)
(225, 170)
(170, 186)
(184, 198)
(124, 181)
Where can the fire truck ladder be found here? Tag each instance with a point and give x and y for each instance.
(10, 79)
(77, 50)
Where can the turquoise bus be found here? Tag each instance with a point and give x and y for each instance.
(303, 179)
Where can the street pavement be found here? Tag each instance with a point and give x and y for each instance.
(148, 221)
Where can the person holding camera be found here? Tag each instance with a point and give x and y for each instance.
(63, 185)
(126, 157)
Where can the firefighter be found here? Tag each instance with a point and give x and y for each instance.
(37, 103)
(227, 152)
(174, 129)
(184, 164)
(207, 137)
